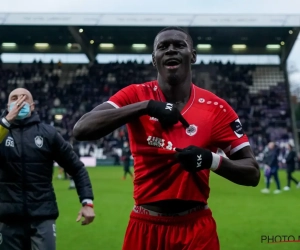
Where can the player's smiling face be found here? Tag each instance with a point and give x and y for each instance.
(173, 55)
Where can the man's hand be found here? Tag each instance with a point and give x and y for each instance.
(87, 213)
(194, 159)
(166, 113)
(11, 116)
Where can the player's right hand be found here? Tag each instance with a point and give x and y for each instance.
(13, 113)
(166, 113)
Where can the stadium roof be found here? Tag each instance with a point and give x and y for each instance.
(144, 19)
(133, 39)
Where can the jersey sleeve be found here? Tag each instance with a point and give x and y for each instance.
(228, 133)
(125, 96)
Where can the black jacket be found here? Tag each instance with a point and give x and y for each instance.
(271, 158)
(126, 154)
(27, 155)
(290, 161)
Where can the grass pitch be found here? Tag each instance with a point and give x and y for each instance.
(243, 214)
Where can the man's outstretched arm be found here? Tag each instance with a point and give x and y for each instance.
(242, 168)
(105, 118)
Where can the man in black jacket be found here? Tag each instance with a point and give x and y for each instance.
(28, 148)
(126, 154)
(290, 161)
(271, 160)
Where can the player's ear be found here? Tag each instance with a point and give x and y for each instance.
(194, 56)
(32, 106)
(153, 60)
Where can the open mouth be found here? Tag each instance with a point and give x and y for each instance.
(172, 63)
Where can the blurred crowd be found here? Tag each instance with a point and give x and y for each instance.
(265, 115)
(63, 93)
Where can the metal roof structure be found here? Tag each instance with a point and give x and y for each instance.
(145, 19)
(80, 33)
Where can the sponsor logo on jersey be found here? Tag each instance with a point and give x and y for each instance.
(160, 143)
(237, 128)
(153, 119)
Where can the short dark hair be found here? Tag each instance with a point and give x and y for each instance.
(190, 40)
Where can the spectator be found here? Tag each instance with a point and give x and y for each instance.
(290, 167)
(28, 150)
(71, 91)
(271, 160)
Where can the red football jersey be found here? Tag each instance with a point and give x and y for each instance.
(158, 176)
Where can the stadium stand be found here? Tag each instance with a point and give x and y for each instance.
(65, 92)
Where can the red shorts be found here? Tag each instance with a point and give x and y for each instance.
(194, 231)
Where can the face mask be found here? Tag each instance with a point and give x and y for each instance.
(23, 113)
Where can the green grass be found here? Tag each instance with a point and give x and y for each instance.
(243, 214)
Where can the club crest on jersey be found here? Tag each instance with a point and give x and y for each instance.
(191, 130)
(39, 141)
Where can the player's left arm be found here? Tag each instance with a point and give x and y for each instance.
(241, 166)
(65, 156)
